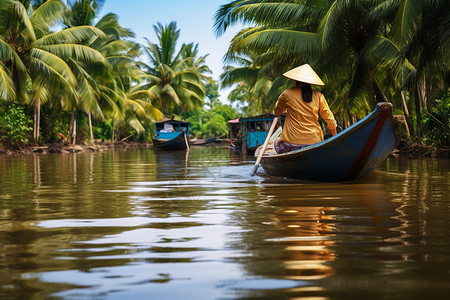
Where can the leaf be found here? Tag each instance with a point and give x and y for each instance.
(406, 20)
(7, 90)
(47, 15)
(72, 35)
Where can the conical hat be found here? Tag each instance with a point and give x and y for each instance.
(304, 73)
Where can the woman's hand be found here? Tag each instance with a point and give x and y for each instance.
(333, 132)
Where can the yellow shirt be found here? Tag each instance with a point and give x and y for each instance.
(301, 125)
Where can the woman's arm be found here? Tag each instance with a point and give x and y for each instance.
(280, 107)
(327, 115)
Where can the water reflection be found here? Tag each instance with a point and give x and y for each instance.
(142, 223)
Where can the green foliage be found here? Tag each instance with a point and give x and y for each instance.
(212, 95)
(214, 124)
(210, 123)
(437, 124)
(53, 122)
(14, 125)
(363, 50)
(175, 79)
(103, 131)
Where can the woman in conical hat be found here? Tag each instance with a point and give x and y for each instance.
(302, 106)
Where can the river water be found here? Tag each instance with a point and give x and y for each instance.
(147, 224)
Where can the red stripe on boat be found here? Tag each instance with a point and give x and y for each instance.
(368, 148)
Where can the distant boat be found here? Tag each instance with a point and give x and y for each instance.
(171, 135)
(199, 142)
(351, 154)
(247, 134)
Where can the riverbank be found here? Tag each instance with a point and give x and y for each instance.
(65, 148)
(412, 150)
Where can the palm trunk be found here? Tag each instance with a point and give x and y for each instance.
(91, 132)
(73, 127)
(369, 88)
(349, 117)
(379, 92)
(36, 120)
(421, 91)
(406, 114)
(417, 103)
(112, 133)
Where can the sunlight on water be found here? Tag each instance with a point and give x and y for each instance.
(146, 224)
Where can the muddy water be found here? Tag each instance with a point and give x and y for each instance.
(143, 224)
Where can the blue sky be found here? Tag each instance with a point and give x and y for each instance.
(194, 20)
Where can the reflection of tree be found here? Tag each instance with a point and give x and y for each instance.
(183, 177)
(307, 231)
(421, 188)
(59, 187)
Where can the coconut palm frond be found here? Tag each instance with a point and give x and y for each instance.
(232, 76)
(8, 53)
(134, 123)
(7, 90)
(72, 35)
(406, 20)
(78, 52)
(47, 15)
(53, 62)
(273, 13)
(22, 16)
(294, 43)
(328, 25)
(169, 90)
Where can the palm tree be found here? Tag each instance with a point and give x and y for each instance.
(124, 77)
(319, 32)
(37, 58)
(89, 90)
(175, 78)
(245, 79)
(418, 23)
(195, 78)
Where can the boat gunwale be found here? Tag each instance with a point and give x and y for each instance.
(381, 106)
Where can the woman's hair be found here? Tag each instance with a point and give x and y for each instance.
(306, 91)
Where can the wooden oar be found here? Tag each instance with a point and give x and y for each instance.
(263, 149)
(186, 141)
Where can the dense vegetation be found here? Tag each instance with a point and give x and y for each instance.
(366, 51)
(66, 70)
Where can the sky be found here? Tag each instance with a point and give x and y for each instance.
(194, 20)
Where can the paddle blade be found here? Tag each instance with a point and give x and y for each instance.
(255, 168)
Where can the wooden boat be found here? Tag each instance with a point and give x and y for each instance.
(247, 134)
(200, 142)
(351, 154)
(171, 135)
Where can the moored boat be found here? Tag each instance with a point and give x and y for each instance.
(247, 134)
(171, 135)
(200, 142)
(351, 154)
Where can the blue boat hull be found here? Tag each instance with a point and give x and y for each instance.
(177, 143)
(351, 154)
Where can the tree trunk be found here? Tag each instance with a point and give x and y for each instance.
(36, 120)
(369, 88)
(421, 92)
(349, 117)
(74, 132)
(112, 133)
(418, 111)
(381, 97)
(91, 132)
(406, 114)
(73, 127)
